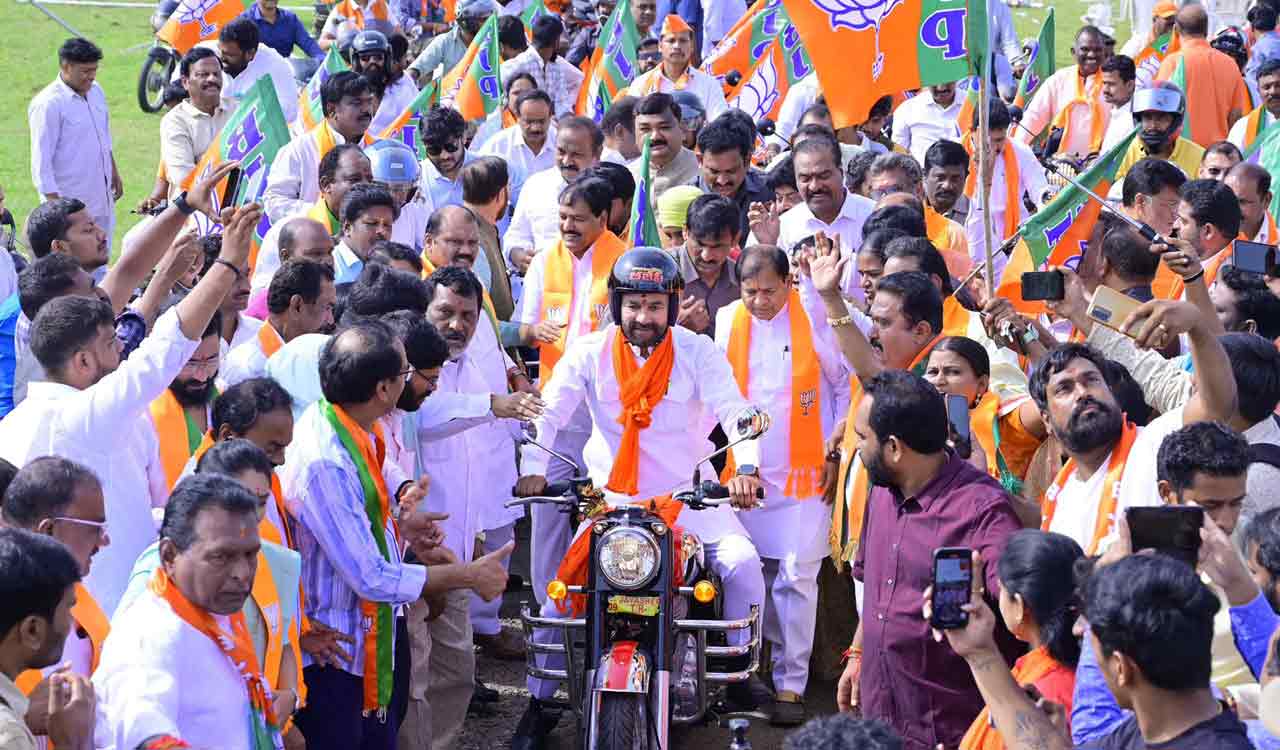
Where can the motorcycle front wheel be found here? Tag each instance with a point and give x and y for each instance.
(623, 722)
(157, 70)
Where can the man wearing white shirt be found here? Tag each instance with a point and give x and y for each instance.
(300, 300)
(244, 61)
(926, 118)
(828, 207)
(294, 182)
(619, 127)
(697, 390)
(528, 148)
(1252, 187)
(187, 130)
(802, 95)
(1246, 131)
(443, 130)
(1119, 81)
(71, 154)
(774, 350)
(551, 72)
(676, 71)
(535, 223)
(92, 400)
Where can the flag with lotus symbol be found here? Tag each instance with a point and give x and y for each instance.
(746, 43)
(1147, 62)
(1039, 64)
(474, 86)
(644, 225)
(613, 64)
(405, 127)
(194, 21)
(782, 62)
(310, 108)
(864, 49)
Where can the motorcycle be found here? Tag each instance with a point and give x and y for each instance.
(652, 617)
(162, 60)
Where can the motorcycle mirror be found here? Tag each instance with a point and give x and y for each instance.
(752, 423)
(766, 127)
(733, 77)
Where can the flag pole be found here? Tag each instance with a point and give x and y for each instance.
(984, 171)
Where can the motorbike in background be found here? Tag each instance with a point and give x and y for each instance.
(161, 62)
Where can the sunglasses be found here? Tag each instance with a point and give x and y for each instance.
(446, 147)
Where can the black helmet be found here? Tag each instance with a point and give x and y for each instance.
(646, 270)
(370, 40)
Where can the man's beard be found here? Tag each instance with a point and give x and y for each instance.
(877, 474)
(192, 393)
(410, 400)
(1086, 432)
(646, 336)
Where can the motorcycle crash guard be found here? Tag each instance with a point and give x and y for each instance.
(623, 669)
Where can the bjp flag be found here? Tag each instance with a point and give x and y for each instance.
(1040, 64)
(1147, 62)
(864, 49)
(405, 127)
(474, 87)
(1058, 234)
(613, 65)
(747, 43)
(194, 21)
(310, 108)
(783, 63)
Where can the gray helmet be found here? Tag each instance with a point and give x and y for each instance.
(394, 165)
(645, 270)
(1161, 96)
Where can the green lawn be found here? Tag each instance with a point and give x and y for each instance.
(29, 41)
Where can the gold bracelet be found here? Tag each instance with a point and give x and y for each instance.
(844, 320)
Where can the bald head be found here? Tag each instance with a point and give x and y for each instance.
(1253, 174)
(362, 364)
(306, 238)
(453, 237)
(1192, 20)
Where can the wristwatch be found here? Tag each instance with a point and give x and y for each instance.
(747, 470)
(181, 203)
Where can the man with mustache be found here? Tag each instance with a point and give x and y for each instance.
(710, 274)
(300, 300)
(294, 183)
(724, 158)
(1247, 129)
(670, 163)
(1119, 81)
(534, 225)
(187, 130)
(898, 173)
(180, 416)
(443, 131)
(676, 71)
(530, 147)
(946, 168)
(1216, 93)
(1071, 99)
(927, 118)
(1252, 187)
(245, 60)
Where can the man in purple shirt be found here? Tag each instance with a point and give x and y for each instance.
(925, 497)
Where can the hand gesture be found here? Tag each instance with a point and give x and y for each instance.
(423, 528)
(826, 268)
(1179, 256)
(489, 575)
(1222, 563)
(38, 710)
(763, 220)
(201, 196)
(411, 495)
(1157, 323)
(520, 258)
(546, 332)
(693, 315)
(237, 235)
(324, 645)
(71, 710)
(523, 406)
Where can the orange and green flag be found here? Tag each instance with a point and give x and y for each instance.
(194, 21)
(1147, 62)
(405, 127)
(1265, 152)
(535, 8)
(474, 86)
(864, 49)
(1040, 64)
(1179, 79)
(310, 108)
(1058, 234)
(747, 42)
(613, 64)
(643, 227)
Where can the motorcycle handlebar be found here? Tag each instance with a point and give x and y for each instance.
(717, 491)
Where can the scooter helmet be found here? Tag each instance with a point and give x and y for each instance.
(1230, 41)
(1165, 97)
(369, 42)
(394, 166)
(645, 270)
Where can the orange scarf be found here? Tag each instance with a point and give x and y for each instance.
(806, 458)
(269, 340)
(326, 138)
(985, 423)
(1012, 185)
(1105, 523)
(1211, 267)
(1257, 122)
(429, 268)
(641, 388)
(350, 10)
(238, 646)
(653, 83)
(321, 213)
(557, 294)
(88, 617)
(1268, 230)
(949, 240)
(178, 436)
(1092, 98)
(1028, 670)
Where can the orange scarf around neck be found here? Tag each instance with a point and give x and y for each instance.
(806, 458)
(641, 388)
(1105, 523)
(175, 433)
(1012, 185)
(269, 340)
(1028, 670)
(88, 617)
(557, 294)
(1090, 95)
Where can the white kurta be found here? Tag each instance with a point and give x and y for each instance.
(246, 331)
(71, 148)
(799, 222)
(786, 527)
(395, 100)
(242, 362)
(101, 427)
(701, 387)
(535, 225)
(522, 162)
(1079, 501)
(159, 675)
(294, 183)
(1032, 182)
(702, 85)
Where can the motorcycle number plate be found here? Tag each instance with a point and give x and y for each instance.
(644, 606)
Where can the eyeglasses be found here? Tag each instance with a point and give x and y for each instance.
(101, 526)
(446, 147)
(407, 374)
(202, 365)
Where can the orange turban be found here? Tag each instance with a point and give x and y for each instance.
(674, 24)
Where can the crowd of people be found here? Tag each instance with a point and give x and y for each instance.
(254, 487)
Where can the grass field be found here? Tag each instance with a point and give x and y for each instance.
(28, 61)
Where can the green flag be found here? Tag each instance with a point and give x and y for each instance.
(613, 64)
(1039, 64)
(977, 32)
(527, 16)
(405, 127)
(310, 110)
(643, 225)
(474, 86)
(1179, 78)
(1265, 152)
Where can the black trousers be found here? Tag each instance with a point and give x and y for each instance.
(332, 719)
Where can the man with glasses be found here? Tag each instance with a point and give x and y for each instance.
(442, 135)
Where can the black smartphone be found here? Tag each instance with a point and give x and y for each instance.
(952, 585)
(958, 415)
(1043, 285)
(1253, 257)
(1173, 530)
(233, 186)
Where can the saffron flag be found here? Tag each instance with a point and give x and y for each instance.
(1039, 64)
(405, 127)
(969, 90)
(474, 86)
(1265, 152)
(1147, 62)
(310, 109)
(253, 136)
(643, 227)
(781, 64)
(194, 21)
(613, 64)
(1057, 234)
(864, 49)
(355, 15)
(747, 43)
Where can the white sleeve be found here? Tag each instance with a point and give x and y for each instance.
(901, 133)
(718, 389)
(562, 397)
(284, 184)
(139, 700)
(42, 117)
(531, 296)
(520, 232)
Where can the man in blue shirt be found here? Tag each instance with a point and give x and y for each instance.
(281, 30)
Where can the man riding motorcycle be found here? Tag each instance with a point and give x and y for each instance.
(654, 392)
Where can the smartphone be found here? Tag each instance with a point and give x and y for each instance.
(233, 185)
(1043, 285)
(952, 584)
(958, 415)
(1111, 308)
(1173, 530)
(1253, 257)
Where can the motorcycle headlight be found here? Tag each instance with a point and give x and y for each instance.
(628, 557)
